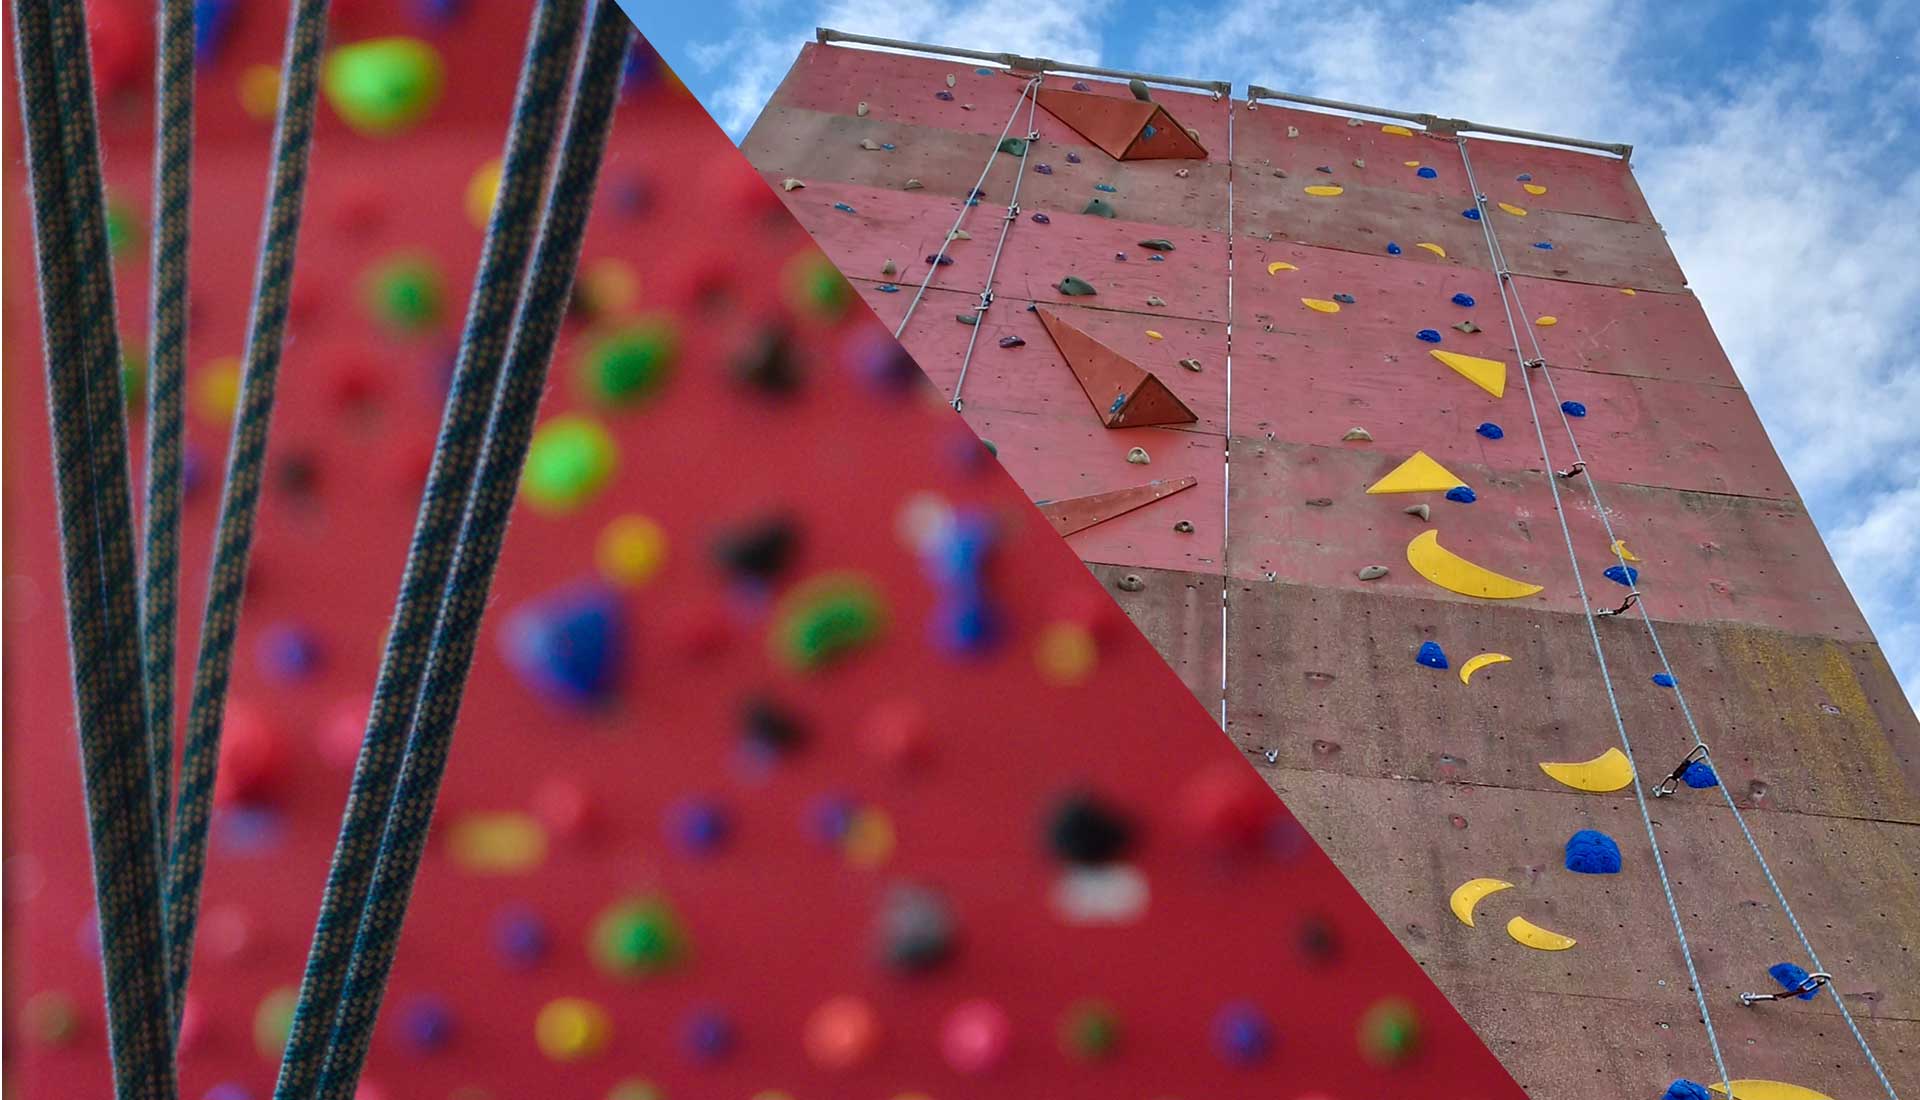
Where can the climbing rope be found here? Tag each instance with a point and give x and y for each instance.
(92, 484)
(1539, 362)
(516, 403)
(1504, 279)
(1031, 88)
(1006, 224)
(552, 40)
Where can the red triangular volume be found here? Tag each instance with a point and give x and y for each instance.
(1125, 129)
(1073, 514)
(1123, 395)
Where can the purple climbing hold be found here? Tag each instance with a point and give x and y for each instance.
(1431, 336)
(1394, 249)
(1324, 168)
(1242, 1034)
(698, 826)
(1041, 219)
(1573, 408)
(212, 25)
(566, 645)
(1156, 258)
(1491, 430)
(1524, 177)
(944, 96)
(1792, 977)
(830, 817)
(1426, 173)
(1043, 169)
(1012, 342)
(1460, 494)
(1073, 157)
(1465, 301)
(1081, 86)
(1120, 256)
(1431, 655)
(1471, 214)
(1624, 575)
(289, 653)
(521, 936)
(709, 1032)
(1664, 679)
(426, 1023)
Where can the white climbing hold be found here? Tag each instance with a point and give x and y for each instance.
(952, 80)
(959, 235)
(1293, 131)
(1355, 122)
(791, 184)
(1138, 456)
(1193, 133)
(870, 145)
(1156, 300)
(1372, 572)
(862, 109)
(1130, 583)
(1359, 162)
(889, 269)
(1191, 364)
(912, 185)
(1358, 435)
(1181, 173)
(1420, 510)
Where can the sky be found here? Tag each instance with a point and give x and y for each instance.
(1772, 140)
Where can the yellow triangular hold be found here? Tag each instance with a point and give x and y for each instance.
(1418, 474)
(1489, 374)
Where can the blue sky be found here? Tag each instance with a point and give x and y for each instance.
(1774, 141)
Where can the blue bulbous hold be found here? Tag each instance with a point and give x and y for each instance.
(1592, 852)
(1683, 1089)
(1431, 655)
(1460, 494)
(1625, 575)
(1491, 430)
(1472, 214)
(1393, 249)
(1427, 174)
(1791, 976)
(1463, 300)
(1573, 408)
(1431, 336)
(1663, 679)
(1699, 775)
(567, 645)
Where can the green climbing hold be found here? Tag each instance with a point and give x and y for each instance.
(826, 618)
(1100, 208)
(1389, 1031)
(815, 286)
(1157, 244)
(133, 375)
(967, 318)
(570, 459)
(638, 938)
(991, 449)
(1014, 147)
(405, 293)
(383, 86)
(273, 1021)
(1076, 287)
(1090, 1031)
(632, 363)
(123, 228)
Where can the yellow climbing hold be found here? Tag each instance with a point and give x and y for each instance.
(260, 91)
(571, 1028)
(1532, 935)
(1468, 894)
(870, 838)
(1277, 266)
(1397, 131)
(1546, 321)
(1411, 163)
(1476, 663)
(1433, 248)
(1324, 190)
(1066, 653)
(498, 843)
(1516, 211)
(1320, 305)
(631, 550)
(482, 189)
(1535, 188)
(216, 391)
(1755, 1089)
(1419, 474)
(1629, 291)
(1609, 771)
(1152, 335)
(1489, 374)
(1456, 574)
(1619, 548)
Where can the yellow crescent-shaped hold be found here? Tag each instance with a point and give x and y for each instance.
(1489, 374)
(1609, 771)
(1516, 211)
(1277, 266)
(1532, 935)
(1324, 190)
(1768, 1090)
(1433, 248)
(1629, 291)
(1456, 574)
(1546, 321)
(1535, 188)
(1468, 894)
(1620, 551)
(1397, 131)
(1476, 663)
(1320, 305)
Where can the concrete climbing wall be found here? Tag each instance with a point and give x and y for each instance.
(1416, 779)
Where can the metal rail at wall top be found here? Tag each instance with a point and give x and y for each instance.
(1436, 124)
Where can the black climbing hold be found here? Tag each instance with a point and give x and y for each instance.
(768, 363)
(1012, 342)
(939, 259)
(1318, 941)
(1157, 244)
(1344, 299)
(1139, 90)
(916, 930)
(1100, 208)
(760, 550)
(770, 727)
(1075, 286)
(1083, 830)
(1324, 168)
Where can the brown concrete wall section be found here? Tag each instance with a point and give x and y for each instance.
(1180, 614)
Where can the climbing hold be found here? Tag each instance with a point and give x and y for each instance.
(273, 1021)
(1192, 365)
(1534, 188)
(1012, 342)
(975, 1036)
(912, 184)
(1320, 305)
(1663, 679)
(1592, 852)
(825, 618)
(1084, 831)
(425, 1023)
(570, 459)
(952, 80)
(1427, 174)
(1073, 157)
(383, 86)
(1480, 661)
(1293, 131)
(1418, 474)
(1138, 456)
(1683, 1089)
(698, 825)
(497, 843)
(1130, 583)
(1106, 187)
(944, 97)
(1075, 287)
(1397, 131)
(51, 1018)
(758, 551)
(1139, 90)
(289, 653)
(637, 938)
(1619, 548)
(1390, 1031)
(1471, 214)
(1357, 435)
(1516, 211)
(1456, 574)
(841, 1033)
(1433, 248)
(1624, 575)
(1066, 652)
(1546, 321)
(1490, 430)
(1427, 335)
(1155, 300)
(1467, 327)
(1184, 527)
(1431, 655)
(1791, 977)
(1573, 408)
(843, 208)
(405, 293)
(1460, 494)
(770, 730)
(1277, 266)
(1099, 208)
(1014, 147)
(632, 363)
(870, 145)
(1325, 191)
(1326, 168)
(1489, 374)
(1393, 249)
(1547, 246)
(1463, 300)
(916, 931)
(1609, 771)
(1043, 169)
(1420, 510)
(1157, 244)
(1153, 335)
(939, 259)
(708, 1035)
(1371, 572)
(1756, 1089)
(567, 645)
(1089, 1031)
(1242, 1034)
(968, 318)
(569, 1029)
(1468, 894)
(1529, 934)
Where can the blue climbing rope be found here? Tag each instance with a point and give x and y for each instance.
(1653, 635)
(539, 103)
(496, 483)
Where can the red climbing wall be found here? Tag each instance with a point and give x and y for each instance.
(1119, 906)
(1414, 780)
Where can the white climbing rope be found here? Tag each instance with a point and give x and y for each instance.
(1006, 224)
(1226, 449)
(1030, 89)
(1646, 616)
(1502, 276)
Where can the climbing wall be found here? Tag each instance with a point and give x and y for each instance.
(1410, 666)
(801, 757)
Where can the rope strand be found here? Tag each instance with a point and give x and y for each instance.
(1031, 94)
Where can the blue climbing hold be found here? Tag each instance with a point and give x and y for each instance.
(1431, 336)
(1041, 219)
(1792, 977)
(1156, 258)
(1119, 403)
(983, 72)
(1043, 169)
(426, 1023)
(1147, 132)
(1491, 430)
(698, 826)
(1525, 177)
(1544, 246)
(1624, 575)
(1592, 852)
(1699, 775)
(887, 288)
(1683, 1089)
(1344, 299)
(289, 653)
(1573, 408)
(709, 1032)
(566, 645)
(1427, 174)
(521, 936)
(1241, 1034)
(1393, 249)
(888, 146)
(1472, 214)
(1107, 187)
(212, 23)
(843, 208)
(944, 96)
(1463, 300)
(1460, 494)
(1665, 680)
(1431, 655)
